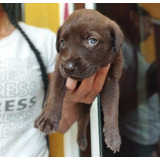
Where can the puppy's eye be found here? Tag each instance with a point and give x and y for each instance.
(62, 43)
(92, 41)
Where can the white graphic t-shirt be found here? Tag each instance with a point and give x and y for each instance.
(22, 91)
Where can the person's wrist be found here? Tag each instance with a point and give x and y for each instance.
(69, 102)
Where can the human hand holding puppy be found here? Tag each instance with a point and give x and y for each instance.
(85, 93)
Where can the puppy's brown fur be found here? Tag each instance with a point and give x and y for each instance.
(85, 42)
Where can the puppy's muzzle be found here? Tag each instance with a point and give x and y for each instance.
(69, 67)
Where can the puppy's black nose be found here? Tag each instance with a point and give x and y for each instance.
(69, 67)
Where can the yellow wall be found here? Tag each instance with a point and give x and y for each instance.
(147, 46)
(42, 15)
(153, 8)
(46, 15)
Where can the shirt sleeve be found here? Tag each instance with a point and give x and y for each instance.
(45, 41)
(51, 53)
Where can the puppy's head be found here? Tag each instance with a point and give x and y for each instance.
(87, 41)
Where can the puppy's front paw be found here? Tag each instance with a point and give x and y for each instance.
(112, 139)
(47, 123)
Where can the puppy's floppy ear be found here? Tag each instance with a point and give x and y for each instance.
(57, 41)
(116, 36)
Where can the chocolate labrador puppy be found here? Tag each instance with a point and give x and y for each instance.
(86, 42)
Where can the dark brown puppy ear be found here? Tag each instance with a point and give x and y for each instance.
(117, 37)
(57, 41)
